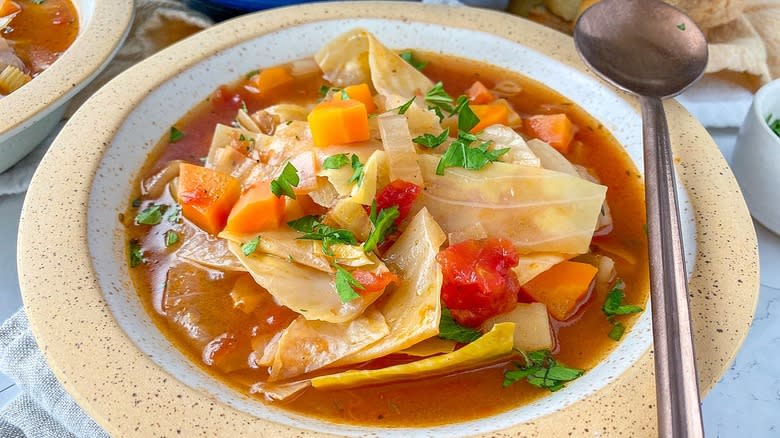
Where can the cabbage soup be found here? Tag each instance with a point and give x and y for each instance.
(389, 238)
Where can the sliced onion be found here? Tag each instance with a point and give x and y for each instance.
(507, 89)
(155, 185)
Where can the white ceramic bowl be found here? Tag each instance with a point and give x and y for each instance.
(108, 353)
(30, 113)
(756, 160)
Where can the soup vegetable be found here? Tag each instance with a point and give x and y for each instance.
(33, 34)
(387, 238)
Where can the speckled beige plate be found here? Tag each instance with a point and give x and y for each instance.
(108, 354)
(30, 113)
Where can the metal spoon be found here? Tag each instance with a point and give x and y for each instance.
(655, 51)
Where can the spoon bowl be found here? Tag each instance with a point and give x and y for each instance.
(655, 51)
(645, 47)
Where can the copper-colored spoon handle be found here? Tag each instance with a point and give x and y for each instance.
(677, 390)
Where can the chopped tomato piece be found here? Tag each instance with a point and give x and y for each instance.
(478, 279)
(372, 282)
(400, 193)
(479, 94)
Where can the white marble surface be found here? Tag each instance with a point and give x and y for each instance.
(746, 402)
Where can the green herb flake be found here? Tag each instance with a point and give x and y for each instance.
(136, 253)
(324, 90)
(251, 74)
(336, 161)
(250, 247)
(313, 229)
(175, 135)
(405, 107)
(284, 183)
(461, 154)
(774, 125)
(541, 370)
(346, 285)
(431, 141)
(467, 120)
(344, 95)
(613, 305)
(681, 26)
(39, 2)
(171, 238)
(243, 107)
(439, 98)
(357, 170)
(450, 329)
(174, 215)
(136, 202)
(408, 56)
(383, 223)
(617, 331)
(151, 215)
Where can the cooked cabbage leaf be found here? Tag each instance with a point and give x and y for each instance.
(401, 153)
(306, 346)
(284, 243)
(310, 292)
(430, 347)
(412, 309)
(505, 137)
(531, 265)
(537, 209)
(205, 250)
(357, 56)
(493, 345)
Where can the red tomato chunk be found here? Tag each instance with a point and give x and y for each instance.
(478, 279)
(400, 193)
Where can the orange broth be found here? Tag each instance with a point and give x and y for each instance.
(582, 340)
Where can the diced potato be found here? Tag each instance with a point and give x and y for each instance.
(532, 326)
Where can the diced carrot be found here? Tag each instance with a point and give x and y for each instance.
(562, 288)
(271, 78)
(307, 166)
(8, 7)
(478, 94)
(257, 210)
(207, 196)
(491, 114)
(339, 122)
(360, 92)
(555, 129)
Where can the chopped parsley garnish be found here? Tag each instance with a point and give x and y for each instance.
(344, 95)
(613, 306)
(432, 141)
(136, 253)
(284, 183)
(175, 135)
(151, 215)
(346, 285)
(136, 202)
(774, 125)
(174, 214)
(324, 90)
(357, 170)
(335, 161)
(171, 237)
(450, 329)
(408, 56)
(246, 110)
(541, 370)
(383, 224)
(251, 246)
(681, 26)
(313, 229)
(251, 74)
(466, 117)
(405, 107)
(439, 98)
(461, 154)
(38, 2)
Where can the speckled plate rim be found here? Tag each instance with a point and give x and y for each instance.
(53, 253)
(107, 27)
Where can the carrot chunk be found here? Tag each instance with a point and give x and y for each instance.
(479, 94)
(257, 210)
(339, 122)
(359, 92)
(271, 78)
(555, 129)
(8, 7)
(491, 114)
(206, 196)
(562, 288)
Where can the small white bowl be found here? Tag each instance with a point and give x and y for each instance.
(756, 162)
(30, 113)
